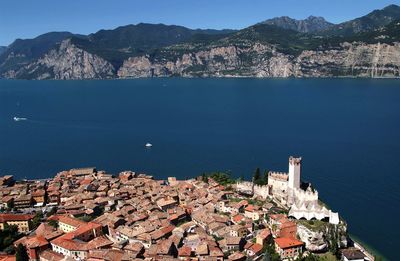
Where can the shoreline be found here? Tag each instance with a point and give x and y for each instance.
(368, 250)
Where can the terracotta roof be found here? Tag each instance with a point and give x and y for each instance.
(50, 255)
(250, 208)
(185, 251)
(236, 256)
(285, 242)
(32, 241)
(99, 242)
(70, 221)
(353, 254)
(233, 240)
(15, 217)
(265, 233)
(7, 258)
(256, 248)
(237, 218)
(134, 247)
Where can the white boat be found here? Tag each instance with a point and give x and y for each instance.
(19, 119)
(148, 145)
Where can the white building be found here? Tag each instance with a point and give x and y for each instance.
(286, 189)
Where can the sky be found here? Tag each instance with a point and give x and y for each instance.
(30, 18)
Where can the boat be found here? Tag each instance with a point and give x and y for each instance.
(19, 119)
(148, 145)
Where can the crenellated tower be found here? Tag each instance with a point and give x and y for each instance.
(294, 172)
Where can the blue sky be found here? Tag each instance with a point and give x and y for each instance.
(29, 18)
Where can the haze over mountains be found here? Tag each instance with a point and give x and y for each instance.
(280, 47)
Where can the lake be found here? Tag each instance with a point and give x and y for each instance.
(346, 130)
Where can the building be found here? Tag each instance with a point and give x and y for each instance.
(288, 248)
(353, 254)
(76, 244)
(22, 221)
(39, 197)
(81, 172)
(23, 201)
(303, 202)
(263, 236)
(68, 224)
(34, 245)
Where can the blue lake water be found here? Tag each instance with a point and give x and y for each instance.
(346, 130)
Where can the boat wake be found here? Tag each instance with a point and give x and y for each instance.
(20, 119)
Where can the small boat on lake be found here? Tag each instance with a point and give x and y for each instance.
(20, 119)
(148, 145)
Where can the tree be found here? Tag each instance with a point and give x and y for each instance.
(52, 211)
(21, 254)
(8, 235)
(53, 223)
(265, 181)
(257, 176)
(37, 219)
(204, 178)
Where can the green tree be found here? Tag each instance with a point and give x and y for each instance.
(265, 181)
(53, 223)
(8, 235)
(37, 219)
(52, 211)
(204, 178)
(257, 176)
(21, 254)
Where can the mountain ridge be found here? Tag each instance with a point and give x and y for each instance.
(311, 24)
(278, 47)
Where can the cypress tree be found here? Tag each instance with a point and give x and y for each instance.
(21, 254)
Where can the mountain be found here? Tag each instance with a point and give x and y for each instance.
(311, 24)
(21, 52)
(282, 47)
(371, 21)
(118, 44)
(2, 49)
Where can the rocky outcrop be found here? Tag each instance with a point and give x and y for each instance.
(353, 59)
(320, 237)
(258, 60)
(66, 62)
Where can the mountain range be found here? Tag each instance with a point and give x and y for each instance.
(368, 46)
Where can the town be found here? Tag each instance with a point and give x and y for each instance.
(86, 214)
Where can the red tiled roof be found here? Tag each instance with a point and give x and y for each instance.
(32, 241)
(15, 217)
(265, 233)
(70, 221)
(237, 218)
(185, 251)
(285, 242)
(7, 258)
(250, 208)
(256, 248)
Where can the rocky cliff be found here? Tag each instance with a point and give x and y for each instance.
(65, 62)
(261, 60)
(368, 46)
(320, 236)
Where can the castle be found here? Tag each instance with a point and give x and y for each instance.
(286, 189)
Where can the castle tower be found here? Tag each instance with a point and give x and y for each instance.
(294, 172)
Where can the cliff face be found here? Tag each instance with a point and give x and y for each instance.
(258, 60)
(356, 60)
(319, 236)
(65, 62)
(68, 61)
